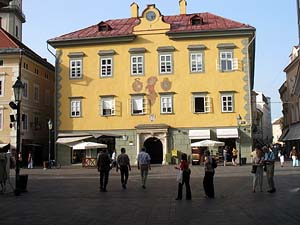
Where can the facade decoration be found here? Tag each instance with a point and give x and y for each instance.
(152, 95)
(166, 84)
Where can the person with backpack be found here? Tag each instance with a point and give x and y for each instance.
(208, 181)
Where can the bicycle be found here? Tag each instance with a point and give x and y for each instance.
(54, 164)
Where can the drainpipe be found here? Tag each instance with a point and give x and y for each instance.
(55, 102)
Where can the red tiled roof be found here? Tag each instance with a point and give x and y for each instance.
(9, 42)
(179, 23)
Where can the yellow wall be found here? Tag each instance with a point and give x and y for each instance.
(183, 83)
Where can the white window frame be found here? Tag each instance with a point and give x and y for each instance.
(75, 108)
(107, 106)
(137, 68)
(166, 104)
(25, 122)
(227, 103)
(26, 89)
(36, 92)
(165, 64)
(47, 97)
(104, 68)
(1, 117)
(196, 65)
(2, 86)
(206, 103)
(76, 69)
(138, 105)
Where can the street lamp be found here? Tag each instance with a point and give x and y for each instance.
(239, 121)
(50, 125)
(18, 92)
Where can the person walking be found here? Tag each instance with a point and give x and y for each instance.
(208, 180)
(186, 172)
(114, 159)
(294, 156)
(234, 156)
(225, 152)
(258, 163)
(30, 161)
(144, 165)
(103, 165)
(123, 163)
(281, 156)
(269, 160)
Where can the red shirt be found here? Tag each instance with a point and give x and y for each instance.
(183, 165)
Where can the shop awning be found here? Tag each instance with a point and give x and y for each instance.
(3, 145)
(283, 134)
(227, 133)
(293, 133)
(70, 141)
(199, 134)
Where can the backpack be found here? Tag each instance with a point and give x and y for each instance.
(214, 163)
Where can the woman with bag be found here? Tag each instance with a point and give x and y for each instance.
(258, 169)
(183, 177)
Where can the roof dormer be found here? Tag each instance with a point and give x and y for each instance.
(102, 26)
(197, 20)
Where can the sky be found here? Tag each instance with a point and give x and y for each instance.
(275, 22)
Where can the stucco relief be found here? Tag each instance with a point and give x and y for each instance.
(152, 95)
(166, 84)
(137, 85)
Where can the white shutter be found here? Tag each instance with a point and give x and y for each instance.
(207, 104)
(235, 64)
(192, 104)
(113, 107)
(217, 65)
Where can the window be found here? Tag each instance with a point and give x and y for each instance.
(165, 64)
(201, 104)
(106, 67)
(196, 62)
(76, 68)
(138, 105)
(47, 97)
(36, 93)
(25, 90)
(24, 121)
(226, 61)
(227, 102)
(137, 65)
(1, 86)
(1, 119)
(1, 62)
(107, 106)
(166, 104)
(75, 108)
(36, 122)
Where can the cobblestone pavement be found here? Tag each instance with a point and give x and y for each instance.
(70, 196)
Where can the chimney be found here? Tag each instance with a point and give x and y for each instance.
(134, 10)
(182, 6)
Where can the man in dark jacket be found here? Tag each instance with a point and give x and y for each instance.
(103, 165)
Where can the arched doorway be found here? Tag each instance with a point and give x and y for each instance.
(154, 148)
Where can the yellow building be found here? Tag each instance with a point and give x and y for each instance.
(156, 81)
(37, 105)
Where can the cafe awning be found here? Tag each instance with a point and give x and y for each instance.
(70, 141)
(199, 134)
(227, 133)
(293, 133)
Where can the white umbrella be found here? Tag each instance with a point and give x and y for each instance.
(88, 145)
(207, 143)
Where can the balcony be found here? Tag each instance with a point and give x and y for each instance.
(4, 3)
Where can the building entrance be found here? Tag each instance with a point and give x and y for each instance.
(154, 148)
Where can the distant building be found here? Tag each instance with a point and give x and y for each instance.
(277, 130)
(12, 18)
(157, 81)
(290, 97)
(262, 125)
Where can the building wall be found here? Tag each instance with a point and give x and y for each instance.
(183, 84)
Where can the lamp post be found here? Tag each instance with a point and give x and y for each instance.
(50, 125)
(18, 92)
(239, 121)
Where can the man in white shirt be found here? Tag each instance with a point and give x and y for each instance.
(144, 165)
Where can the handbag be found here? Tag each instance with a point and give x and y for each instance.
(179, 176)
(254, 168)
